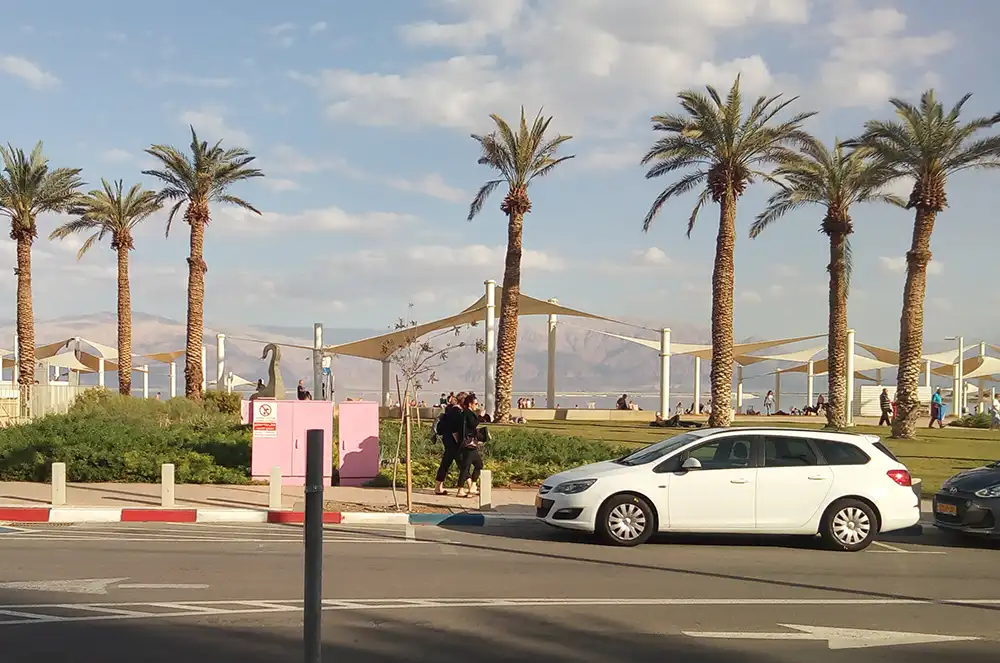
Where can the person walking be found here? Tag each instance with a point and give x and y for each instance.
(995, 413)
(937, 405)
(885, 404)
(769, 403)
(449, 427)
(470, 460)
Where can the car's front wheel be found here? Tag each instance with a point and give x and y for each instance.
(849, 525)
(625, 520)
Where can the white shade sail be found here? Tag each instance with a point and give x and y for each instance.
(67, 360)
(861, 363)
(103, 351)
(973, 367)
(165, 357)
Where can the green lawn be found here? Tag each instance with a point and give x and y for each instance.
(933, 457)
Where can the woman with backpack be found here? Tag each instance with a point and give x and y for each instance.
(449, 427)
(470, 460)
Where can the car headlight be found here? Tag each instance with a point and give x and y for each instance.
(989, 491)
(574, 487)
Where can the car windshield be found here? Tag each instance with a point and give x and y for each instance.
(663, 448)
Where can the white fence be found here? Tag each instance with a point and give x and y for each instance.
(53, 398)
(866, 399)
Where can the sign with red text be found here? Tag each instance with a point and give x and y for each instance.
(265, 419)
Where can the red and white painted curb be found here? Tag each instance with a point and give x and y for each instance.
(31, 514)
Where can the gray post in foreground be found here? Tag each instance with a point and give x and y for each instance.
(485, 490)
(313, 596)
(274, 489)
(167, 485)
(58, 484)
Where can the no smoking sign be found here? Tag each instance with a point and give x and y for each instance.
(265, 419)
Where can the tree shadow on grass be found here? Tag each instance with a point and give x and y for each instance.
(493, 635)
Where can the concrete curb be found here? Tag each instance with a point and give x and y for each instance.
(32, 514)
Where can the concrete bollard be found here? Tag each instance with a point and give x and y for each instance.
(274, 489)
(486, 490)
(58, 484)
(167, 485)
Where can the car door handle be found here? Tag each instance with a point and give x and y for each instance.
(817, 478)
(738, 481)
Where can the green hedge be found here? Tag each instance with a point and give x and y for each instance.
(980, 420)
(515, 455)
(107, 437)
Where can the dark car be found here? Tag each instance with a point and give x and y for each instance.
(969, 502)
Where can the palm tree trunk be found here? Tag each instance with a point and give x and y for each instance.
(507, 331)
(722, 314)
(911, 326)
(836, 414)
(197, 217)
(124, 323)
(25, 324)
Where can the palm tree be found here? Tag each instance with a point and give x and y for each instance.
(927, 144)
(199, 180)
(724, 153)
(834, 179)
(109, 211)
(29, 188)
(518, 158)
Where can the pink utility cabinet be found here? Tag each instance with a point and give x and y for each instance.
(279, 438)
(357, 425)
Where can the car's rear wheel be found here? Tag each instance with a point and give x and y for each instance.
(625, 520)
(849, 525)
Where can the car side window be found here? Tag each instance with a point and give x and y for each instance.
(728, 453)
(787, 451)
(841, 453)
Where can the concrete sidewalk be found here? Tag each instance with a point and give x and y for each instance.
(147, 495)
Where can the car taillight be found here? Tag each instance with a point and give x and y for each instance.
(902, 477)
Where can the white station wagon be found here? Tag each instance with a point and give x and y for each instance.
(845, 487)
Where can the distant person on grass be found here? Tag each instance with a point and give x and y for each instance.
(937, 409)
(885, 404)
(471, 461)
(449, 426)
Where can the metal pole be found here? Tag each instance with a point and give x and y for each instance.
(550, 382)
(665, 373)
(313, 594)
(491, 348)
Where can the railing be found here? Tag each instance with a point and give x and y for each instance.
(55, 398)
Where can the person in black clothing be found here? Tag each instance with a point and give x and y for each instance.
(302, 393)
(622, 403)
(470, 460)
(885, 404)
(450, 430)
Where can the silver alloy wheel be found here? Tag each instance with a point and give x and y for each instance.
(627, 522)
(851, 526)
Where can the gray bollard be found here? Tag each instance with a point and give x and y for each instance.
(58, 484)
(274, 500)
(486, 490)
(167, 485)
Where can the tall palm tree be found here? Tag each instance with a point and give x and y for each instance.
(835, 180)
(723, 152)
(110, 211)
(928, 144)
(28, 187)
(198, 180)
(518, 157)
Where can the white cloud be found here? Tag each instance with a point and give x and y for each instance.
(653, 256)
(279, 185)
(117, 155)
(749, 297)
(870, 49)
(897, 265)
(283, 34)
(327, 219)
(211, 125)
(432, 185)
(164, 78)
(317, 27)
(27, 71)
(480, 255)
(616, 157)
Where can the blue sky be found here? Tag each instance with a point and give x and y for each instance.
(360, 115)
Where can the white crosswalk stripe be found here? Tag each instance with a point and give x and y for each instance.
(206, 533)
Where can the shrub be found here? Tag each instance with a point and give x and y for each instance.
(980, 420)
(222, 402)
(108, 437)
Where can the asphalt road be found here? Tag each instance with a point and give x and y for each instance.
(228, 593)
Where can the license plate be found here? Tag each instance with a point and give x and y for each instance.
(538, 501)
(948, 509)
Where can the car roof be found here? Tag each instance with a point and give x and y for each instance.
(854, 437)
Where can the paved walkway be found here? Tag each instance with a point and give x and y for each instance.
(519, 501)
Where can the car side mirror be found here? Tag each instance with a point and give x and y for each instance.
(691, 464)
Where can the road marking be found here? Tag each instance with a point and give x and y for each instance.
(88, 586)
(4, 529)
(836, 638)
(27, 613)
(152, 539)
(889, 548)
(140, 585)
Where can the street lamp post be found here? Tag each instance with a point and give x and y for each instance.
(956, 397)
